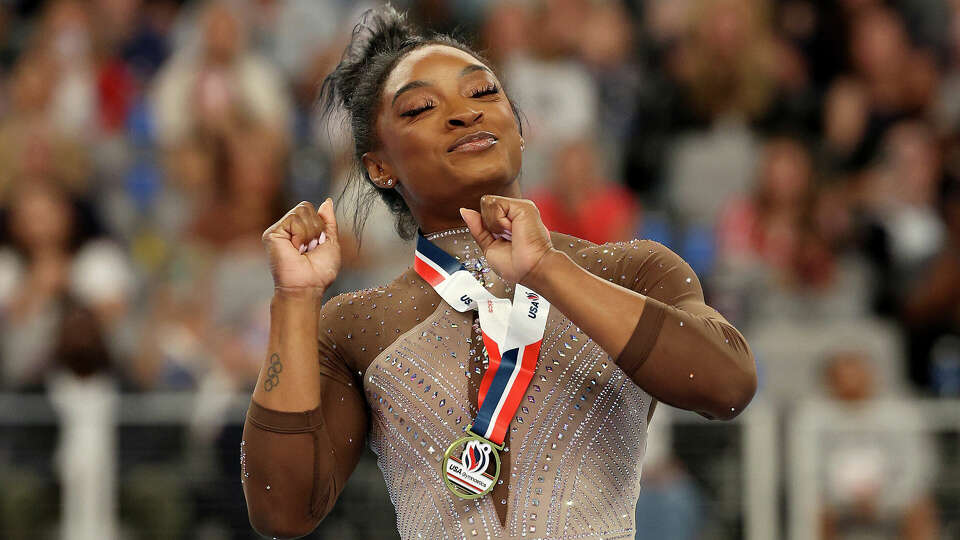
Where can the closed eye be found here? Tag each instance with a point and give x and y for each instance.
(485, 91)
(414, 112)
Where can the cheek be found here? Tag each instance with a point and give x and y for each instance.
(413, 153)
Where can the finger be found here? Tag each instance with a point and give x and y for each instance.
(327, 214)
(494, 210)
(298, 231)
(475, 223)
(307, 213)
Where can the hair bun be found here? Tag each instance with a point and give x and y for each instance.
(381, 38)
(381, 30)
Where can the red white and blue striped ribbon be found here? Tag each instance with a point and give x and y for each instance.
(512, 334)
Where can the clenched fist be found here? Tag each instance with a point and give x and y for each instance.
(510, 234)
(304, 249)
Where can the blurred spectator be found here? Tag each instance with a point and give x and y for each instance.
(66, 38)
(553, 89)
(220, 86)
(897, 202)
(209, 306)
(506, 31)
(847, 145)
(766, 227)
(784, 251)
(876, 463)
(931, 310)
(727, 65)
(605, 46)
(579, 201)
(899, 78)
(32, 146)
(49, 258)
(947, 117)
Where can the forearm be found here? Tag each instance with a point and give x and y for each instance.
(295, 464)
(688, 357)
(606, 312)
(281, 456)
(289, 378)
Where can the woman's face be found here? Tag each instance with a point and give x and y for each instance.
(434, 97)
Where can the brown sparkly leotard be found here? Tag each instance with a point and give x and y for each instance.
(403, 370)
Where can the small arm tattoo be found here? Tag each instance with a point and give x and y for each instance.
(273, 373)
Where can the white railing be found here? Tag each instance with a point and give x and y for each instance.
(759, 429)
(811, 419)
(758, 462)
(135, 409)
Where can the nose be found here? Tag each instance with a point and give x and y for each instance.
(464, 118)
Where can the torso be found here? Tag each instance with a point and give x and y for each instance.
(572, 459)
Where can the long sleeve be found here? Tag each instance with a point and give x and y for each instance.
(295, 464)
(682, 351)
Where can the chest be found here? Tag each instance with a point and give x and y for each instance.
(422, 392)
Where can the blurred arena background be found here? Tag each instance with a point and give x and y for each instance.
(802, 155)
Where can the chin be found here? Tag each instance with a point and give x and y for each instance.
(480, 169)
(490, 178)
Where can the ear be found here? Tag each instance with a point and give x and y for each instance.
(379, 171)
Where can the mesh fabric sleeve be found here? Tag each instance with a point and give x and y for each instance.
(295, 464)
(682, 351)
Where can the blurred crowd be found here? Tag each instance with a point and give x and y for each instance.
(802, 155)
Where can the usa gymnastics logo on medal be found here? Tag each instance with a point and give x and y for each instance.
(475, 471)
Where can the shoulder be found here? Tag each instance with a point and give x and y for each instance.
(645, 266)
(636, 253)
(359, 324)
(350, 305)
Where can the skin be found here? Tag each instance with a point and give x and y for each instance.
(445, 190)
(435, 183)
(453, 95)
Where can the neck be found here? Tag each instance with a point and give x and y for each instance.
(457, 242)
(443, 217)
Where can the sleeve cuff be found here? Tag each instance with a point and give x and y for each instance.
(644, 337)
(284, 422)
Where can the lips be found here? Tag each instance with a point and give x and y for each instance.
(479, 140)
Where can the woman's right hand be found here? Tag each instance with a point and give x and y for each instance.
(304, 248)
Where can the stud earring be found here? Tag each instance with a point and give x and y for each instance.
(389, 182)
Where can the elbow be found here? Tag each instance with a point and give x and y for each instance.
(737, 391)
(276, 525)
(284, 517)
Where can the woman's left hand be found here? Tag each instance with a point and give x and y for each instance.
(510, 234)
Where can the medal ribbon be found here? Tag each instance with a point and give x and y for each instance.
(512, 334)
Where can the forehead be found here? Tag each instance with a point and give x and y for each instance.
(429, 63)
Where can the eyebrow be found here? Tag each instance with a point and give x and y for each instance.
(419, 84)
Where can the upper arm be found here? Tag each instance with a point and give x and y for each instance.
(678, 334)
(646, 267)
(344, 409)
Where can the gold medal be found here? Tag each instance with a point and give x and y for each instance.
(471, 466)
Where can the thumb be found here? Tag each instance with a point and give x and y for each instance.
(329, 220)
(475, 223)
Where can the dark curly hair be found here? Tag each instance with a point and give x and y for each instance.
(381, 38)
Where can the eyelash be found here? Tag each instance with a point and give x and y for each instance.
(487, 90)
(418, 110)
